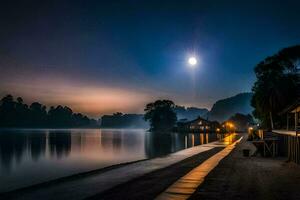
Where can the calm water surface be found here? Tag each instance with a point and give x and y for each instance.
(33, 156)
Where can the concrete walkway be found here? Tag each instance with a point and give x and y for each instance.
(184, 187)
(84, 187)
(247, 178)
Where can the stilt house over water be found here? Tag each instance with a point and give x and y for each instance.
(197, 125)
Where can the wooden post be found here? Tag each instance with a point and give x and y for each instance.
(287, 121)
(289, 150)
(297, 150)
(296, 120)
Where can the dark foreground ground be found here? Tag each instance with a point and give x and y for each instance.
(151, 185)
(238, 177)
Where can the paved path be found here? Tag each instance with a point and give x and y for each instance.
(184, 187)
(148, 186)
(88, 186)
(247, 178)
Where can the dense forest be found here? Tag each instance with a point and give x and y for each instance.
(15, 113)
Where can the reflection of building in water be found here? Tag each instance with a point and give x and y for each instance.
(198, 125)
(194, 139)
(59, 143)
(162, 144)
(191, 140)
(201, 138)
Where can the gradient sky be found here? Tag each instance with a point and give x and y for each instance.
(100, 58)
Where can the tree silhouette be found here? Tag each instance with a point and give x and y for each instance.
(161, 115)
(17, 114)
(277, 84)
(22, 113)
(120, 120)
(7, 110)
(38, 114)
(241, 121)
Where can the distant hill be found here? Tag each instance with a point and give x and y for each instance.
(225, 108)
(119, 120)
(190, 113)
(221, 111)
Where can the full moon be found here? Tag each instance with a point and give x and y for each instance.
(192, 61)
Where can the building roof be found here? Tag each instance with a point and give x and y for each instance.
(197, 119)
(291, 107)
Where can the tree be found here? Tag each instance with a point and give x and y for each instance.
(61, 116)
(7, 111)
(241, 121)
(161, 115)
(17, 114)
(38, 114)
(22, 113)
(277, 84)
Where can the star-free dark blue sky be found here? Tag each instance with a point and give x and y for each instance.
(100, 57)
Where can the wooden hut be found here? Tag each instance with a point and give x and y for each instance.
(292, 112)
(197, 125)
(289, 144)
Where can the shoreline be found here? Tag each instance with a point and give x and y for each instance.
(150, 185)
(71, 177)
(170, 173)
(83, 174)
(50, 180)
(88, 184)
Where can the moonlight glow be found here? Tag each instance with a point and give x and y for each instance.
(192, 61)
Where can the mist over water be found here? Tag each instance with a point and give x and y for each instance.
(29, 157)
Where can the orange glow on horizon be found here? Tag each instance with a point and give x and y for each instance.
(92, 101)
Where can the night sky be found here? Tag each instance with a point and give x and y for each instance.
(100, 58)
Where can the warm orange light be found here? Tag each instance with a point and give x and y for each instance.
(91, 100)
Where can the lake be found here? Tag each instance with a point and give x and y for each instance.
(31, 156)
